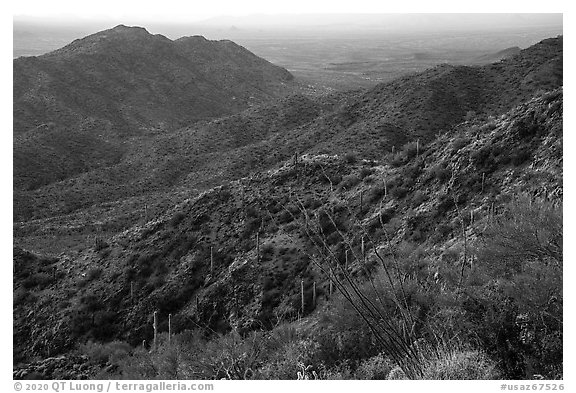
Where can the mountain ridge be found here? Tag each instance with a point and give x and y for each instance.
(166, 257)
(234, 228)
(373, 122)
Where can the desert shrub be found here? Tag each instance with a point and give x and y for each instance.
(521, 155)
(20, 296)
(228, 357)
(176, 219)
(399, 192)
(290, 359)
(483, 159)
(349, 181)
(191, 356)
(527, 230)
(418, 198)
(517, 311)
(142, 364)
(326, 223)
(250, 227)
(397, 160)
(350, 158)
(285, 217)
(39, 279)
(458, 143)
(441, 231)
(460, 364)
(408, 152)
(376, 192)
(99, 354)
(470, 115)
(93, 273)
(100, 244)
(376, 367)
(526, 128)
(440, 172)
(365, 172)
(411, 149)
(311, 203)
(267, 251)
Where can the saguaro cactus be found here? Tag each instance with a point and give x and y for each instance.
(169, 327)
(314, 294)
(257, 247)
(302, 294)
(211, 259)
(155, 325)
(385, 189)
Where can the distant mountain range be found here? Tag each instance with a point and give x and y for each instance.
(500, 55)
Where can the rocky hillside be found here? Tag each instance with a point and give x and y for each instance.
(369, 123)
(441, 189)
(74, 108)
(235, 256)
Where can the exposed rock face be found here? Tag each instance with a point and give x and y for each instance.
(62, 367)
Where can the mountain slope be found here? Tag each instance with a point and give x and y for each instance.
(134, 80)
(88, 98)
(368, 124)
(428, 196)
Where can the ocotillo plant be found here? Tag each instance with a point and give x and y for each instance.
(394, 335)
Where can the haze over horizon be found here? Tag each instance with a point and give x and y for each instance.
(346, 21)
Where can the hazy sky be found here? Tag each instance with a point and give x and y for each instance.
(194, 10)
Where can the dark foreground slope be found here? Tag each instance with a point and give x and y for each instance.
(432, 207)
(75, 108)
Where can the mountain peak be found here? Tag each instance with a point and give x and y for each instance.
(123, 29)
